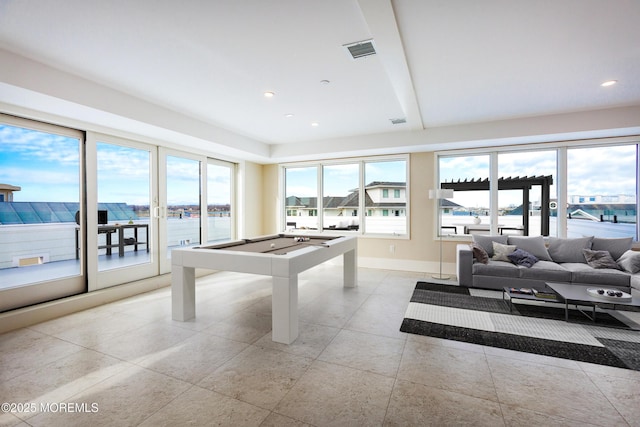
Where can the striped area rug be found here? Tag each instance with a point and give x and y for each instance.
(482, 317)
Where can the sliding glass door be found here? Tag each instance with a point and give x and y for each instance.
(121, 227)
(41, 213)
(81, 211)
(220, 184)
(196, 202)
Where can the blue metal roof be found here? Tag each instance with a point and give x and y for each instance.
(50, 212)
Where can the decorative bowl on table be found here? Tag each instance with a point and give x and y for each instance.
(609, 294)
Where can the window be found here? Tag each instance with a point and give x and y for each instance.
(468, 211)
(121, 168)
(219, 200)
(527, 186)
(600, 199)
(41, 224)
(183, 202)
(388, 175)
(341, 196)
(601, 191)
(342, 206)
(301, 197)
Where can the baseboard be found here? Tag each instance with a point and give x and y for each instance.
(27, 316)
(407, 265)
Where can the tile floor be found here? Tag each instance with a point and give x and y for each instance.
(128, 364)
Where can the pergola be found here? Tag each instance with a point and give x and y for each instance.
(514, 183)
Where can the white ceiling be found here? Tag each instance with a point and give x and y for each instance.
(440, 64)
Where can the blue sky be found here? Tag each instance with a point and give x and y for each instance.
(341, 179)
(607, 170)
(46, 167)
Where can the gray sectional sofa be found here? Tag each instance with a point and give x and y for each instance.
(554, 260)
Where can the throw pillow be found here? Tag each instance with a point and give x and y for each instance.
(501, 252)
(630, 262)
(600, 259)
(534, 245)
(487, 241)
(615, 246)
(479, 253)
(522, 257)
(569, 250)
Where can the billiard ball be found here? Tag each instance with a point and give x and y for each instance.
(273, 245)
(601, 291)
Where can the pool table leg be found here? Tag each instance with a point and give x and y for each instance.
(350, 269)
(284, 309)
(183, 293)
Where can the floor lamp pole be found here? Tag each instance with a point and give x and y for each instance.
(440, 194)
(440, 276)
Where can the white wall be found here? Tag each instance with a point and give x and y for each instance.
(250, 205)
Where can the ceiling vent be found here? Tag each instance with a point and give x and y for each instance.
(398, 121)
(361, 49)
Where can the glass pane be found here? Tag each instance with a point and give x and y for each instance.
(468, 211)
(601, 189)
(183, 202)
(519, 169)
(39, 198)
(123, 206)
(301, 193)
(219, 179)
(386, 197)
(341, 197)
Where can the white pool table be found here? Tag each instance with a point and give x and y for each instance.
(281, 256)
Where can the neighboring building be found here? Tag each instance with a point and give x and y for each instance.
(6, 192)
(381, 199)
(600, 199)
(386, 199)
(614, 208)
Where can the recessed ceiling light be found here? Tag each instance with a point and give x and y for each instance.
(315, 124)
(288, 115)
(269, 94)
(324, 82)
(609, 83)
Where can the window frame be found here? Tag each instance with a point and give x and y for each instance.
(561, 149)
(362, 211)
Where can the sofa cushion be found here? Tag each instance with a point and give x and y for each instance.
(583, 273)
(615, 246)
(522, 257)
(534, 245)
(487, 241)
(630, 261)
(569, 250)
(600, 259)
(501, 252)
(479, 253)
(496, 268)
(547, 271)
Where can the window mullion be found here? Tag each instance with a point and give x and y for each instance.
(493, 193)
